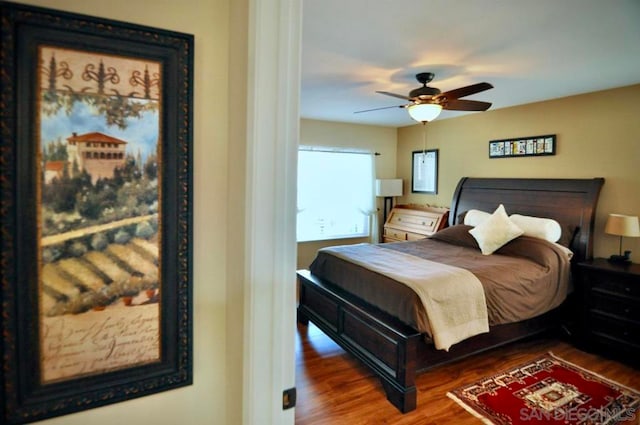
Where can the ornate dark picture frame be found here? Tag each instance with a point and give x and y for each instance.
(95, 210)
(424, 171)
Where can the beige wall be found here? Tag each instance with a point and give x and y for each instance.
(377, 139)
(216, 395)
(598, 135)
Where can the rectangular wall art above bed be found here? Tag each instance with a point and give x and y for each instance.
(523, 146)
(385, 303)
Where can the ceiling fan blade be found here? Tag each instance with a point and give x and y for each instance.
(465, 91)
(399, 96)
(378, 109)
(465, 105)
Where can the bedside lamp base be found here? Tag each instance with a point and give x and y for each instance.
(621, 259)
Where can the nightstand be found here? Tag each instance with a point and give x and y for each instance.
(609, 305)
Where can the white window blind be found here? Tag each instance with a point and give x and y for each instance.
(335, 194)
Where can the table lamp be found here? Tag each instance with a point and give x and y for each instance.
(622, 225)
(388, 189)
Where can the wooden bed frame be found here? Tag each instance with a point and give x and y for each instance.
(397, 352)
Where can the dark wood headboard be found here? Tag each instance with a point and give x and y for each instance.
(571, 202)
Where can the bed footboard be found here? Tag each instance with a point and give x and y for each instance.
(388, 347)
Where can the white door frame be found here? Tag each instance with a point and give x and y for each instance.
(272, 149)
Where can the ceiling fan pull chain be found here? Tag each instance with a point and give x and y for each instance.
(424, 140)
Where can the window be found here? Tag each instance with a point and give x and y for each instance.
(335, 194)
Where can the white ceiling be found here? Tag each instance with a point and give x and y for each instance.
(529, 50)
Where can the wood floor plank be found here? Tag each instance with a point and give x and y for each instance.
(335, 389)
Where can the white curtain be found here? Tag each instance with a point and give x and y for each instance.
(372, 209)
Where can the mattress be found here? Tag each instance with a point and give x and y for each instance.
(523, 279)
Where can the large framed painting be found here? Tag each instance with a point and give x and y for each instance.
(95, 207)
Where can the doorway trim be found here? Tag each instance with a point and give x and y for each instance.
(270, 230)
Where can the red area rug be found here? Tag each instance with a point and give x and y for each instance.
(549, 390)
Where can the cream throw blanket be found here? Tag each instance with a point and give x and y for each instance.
(453, 297)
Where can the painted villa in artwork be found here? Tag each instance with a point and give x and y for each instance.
(97, 153)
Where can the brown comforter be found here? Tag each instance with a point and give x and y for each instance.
(523, 279)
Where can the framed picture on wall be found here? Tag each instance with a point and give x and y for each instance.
(523, 146)
(424, 171)
(96, 221)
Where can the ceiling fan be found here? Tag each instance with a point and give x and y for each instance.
(426, 103)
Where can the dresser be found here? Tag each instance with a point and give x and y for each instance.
(413, 222)
(609, 305)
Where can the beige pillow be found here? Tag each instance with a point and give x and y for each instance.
(495, 231)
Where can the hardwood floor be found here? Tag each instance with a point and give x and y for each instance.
(334, 388)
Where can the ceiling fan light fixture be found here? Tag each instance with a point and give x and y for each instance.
(425, 112)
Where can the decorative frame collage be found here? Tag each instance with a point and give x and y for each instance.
(523, 146)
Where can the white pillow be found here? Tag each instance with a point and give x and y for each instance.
(495, 231)
(475, 217)
(543, 228)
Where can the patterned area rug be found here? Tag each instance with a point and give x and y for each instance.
(549, 390)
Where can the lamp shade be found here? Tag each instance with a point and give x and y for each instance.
(388, 187)
(424, 112)
(622, 225)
